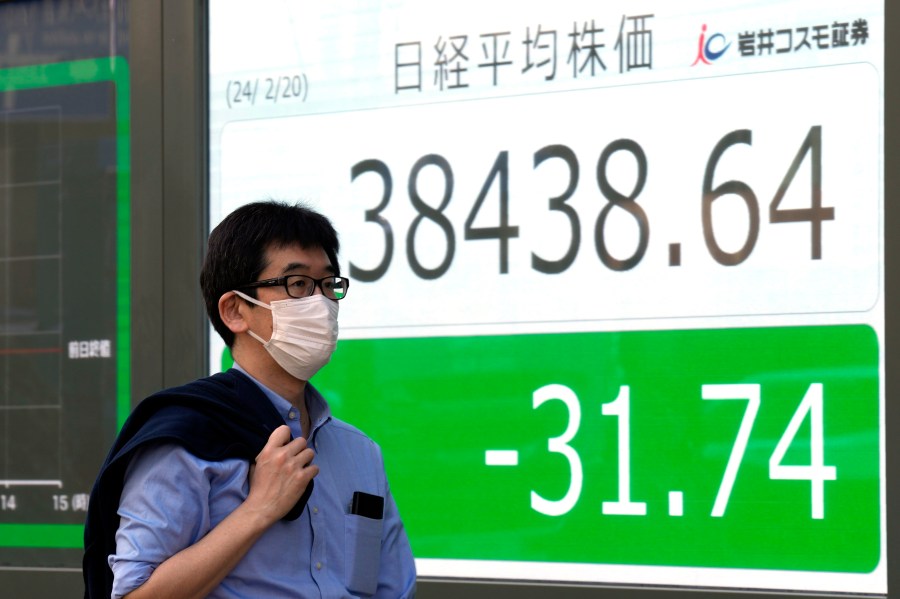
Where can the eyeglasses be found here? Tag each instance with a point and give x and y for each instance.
(300, 286)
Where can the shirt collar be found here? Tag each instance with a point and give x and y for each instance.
(319, 411)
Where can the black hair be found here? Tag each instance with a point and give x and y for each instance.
(236, 249)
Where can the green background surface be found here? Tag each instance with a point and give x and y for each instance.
(435, 405)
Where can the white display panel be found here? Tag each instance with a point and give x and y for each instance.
(776, 273)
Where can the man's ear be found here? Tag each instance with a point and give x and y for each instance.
(231, 312)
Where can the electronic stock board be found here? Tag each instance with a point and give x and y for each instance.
(617, 306)
(65, 281)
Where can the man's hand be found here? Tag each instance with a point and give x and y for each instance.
(281, 474)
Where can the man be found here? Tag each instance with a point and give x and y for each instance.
(209, 489)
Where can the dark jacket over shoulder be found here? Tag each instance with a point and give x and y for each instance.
(216, 418)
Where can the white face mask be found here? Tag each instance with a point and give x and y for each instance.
(304, 333)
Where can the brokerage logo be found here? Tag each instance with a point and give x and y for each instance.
(710, 49)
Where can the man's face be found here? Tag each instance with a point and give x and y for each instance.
(282, 261)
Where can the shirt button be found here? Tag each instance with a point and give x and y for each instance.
(292, 415)
(318, 565)
(315, 510)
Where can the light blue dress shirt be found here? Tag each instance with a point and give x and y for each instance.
(171, 499)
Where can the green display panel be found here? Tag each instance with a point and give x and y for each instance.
(64, 297)
(744, 448)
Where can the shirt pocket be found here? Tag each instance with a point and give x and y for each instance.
(362, 544)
